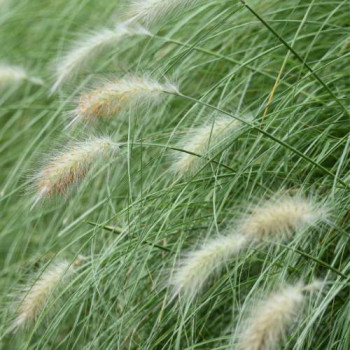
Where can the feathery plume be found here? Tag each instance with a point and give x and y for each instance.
(15, 75)
(269, 321)
(277, 219)
(87, 49)
(149, 11)
(119, 94)
(71, 166)
(282, 216)
(34, 299)
(198, 266)
(201, 140)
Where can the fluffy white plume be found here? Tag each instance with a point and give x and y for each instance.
(269, 321)
(35, 297)
(149, 11)
(198, 266)
(87, 49)
(15, 75)
(277, 218)
(120, 94)
(282, 216)
(201, 140)
(71, 166)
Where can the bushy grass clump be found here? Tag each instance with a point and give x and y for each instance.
(150, 226)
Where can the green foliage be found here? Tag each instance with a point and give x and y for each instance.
(281, 67)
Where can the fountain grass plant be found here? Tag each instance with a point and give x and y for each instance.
(279, 70)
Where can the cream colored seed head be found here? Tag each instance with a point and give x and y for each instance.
(88, 48)
(282, 216)
(150, 11)
(71, 166)
(15, 75)
(120, 94)
(201, 140)
(198, 266)
(11, 75)
(35, 297)
(270, 319)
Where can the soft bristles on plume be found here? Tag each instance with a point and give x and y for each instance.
(71, 166)
(85, 50)
(120, 94)
(282, 216)
(201, 140)
(15, 75)
(277, 218)
(34, 299)
(269, 321)
(198, 266)
(149, 11)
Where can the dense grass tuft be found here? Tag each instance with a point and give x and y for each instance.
(216, 107)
